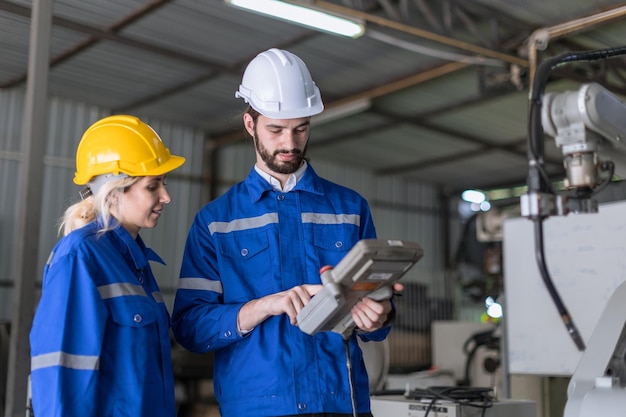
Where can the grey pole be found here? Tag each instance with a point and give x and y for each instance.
(34, 128)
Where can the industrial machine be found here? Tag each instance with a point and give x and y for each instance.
(454, 402)
(589, 126)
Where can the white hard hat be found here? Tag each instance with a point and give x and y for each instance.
(278, 85)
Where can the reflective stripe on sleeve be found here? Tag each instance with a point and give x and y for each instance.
(50, 257)
(327, 218)
(243, 224)
(202, 284)
(66, 360)
(120, 290)
(158, 297)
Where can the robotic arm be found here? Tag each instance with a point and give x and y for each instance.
(597, 387)
(585, 124)
(589, 126)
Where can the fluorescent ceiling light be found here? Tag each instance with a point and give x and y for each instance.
(303, 15)
(473, 196)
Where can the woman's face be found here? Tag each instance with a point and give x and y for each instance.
(141, 204)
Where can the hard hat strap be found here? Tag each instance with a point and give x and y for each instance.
(97, 182)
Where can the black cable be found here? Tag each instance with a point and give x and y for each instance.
(477, 397)
(549, 284)
(346, 344)
(608, 166)
(468, 364)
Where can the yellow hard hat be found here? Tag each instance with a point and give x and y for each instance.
(122, 144)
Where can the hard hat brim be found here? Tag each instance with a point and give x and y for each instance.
(170, 165)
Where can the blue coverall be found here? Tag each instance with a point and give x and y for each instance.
(254, 241)
(100, 342)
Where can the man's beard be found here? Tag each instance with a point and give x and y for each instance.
(280, 167)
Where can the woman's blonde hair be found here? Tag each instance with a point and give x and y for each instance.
(95, 206)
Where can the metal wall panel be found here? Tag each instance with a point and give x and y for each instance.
(11, 105)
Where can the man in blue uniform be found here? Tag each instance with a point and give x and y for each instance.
(253, 257)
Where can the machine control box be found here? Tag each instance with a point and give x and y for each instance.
(369, 269)
(399, 406)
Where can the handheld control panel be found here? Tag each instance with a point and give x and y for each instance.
(369, 269)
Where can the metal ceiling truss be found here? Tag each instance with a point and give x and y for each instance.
(449, 23)
(451, 18)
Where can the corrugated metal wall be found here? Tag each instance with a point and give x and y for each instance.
(11, 105)
(401, 210)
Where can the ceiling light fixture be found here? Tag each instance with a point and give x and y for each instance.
(303, 15)
(473, 196)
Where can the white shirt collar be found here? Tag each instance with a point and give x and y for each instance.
(289, 184)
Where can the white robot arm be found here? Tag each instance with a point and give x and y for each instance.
(589, 125)
(586, 123)
(597, 386)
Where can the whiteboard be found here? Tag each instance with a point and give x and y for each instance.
(586, 258)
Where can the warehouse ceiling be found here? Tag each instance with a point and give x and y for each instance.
(435, 90)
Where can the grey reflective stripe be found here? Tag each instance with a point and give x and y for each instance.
(120, 290)
(243, 224)
(323, 218)
(66, 360)
(49, 261)
(158, 297)
(202, 284)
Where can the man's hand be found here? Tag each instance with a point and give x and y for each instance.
(370, 315)
(288, 302)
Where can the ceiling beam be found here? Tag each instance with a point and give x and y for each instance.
(540, 39)
(110, 34)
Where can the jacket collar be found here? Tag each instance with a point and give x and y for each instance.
(257, 185)
(139, 253)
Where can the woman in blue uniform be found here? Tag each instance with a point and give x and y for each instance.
(100, 342)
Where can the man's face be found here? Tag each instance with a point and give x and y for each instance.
(280, 143)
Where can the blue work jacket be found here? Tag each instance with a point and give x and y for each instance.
(254, 241)
(100, 342)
